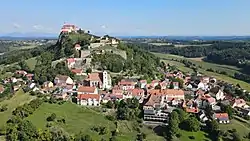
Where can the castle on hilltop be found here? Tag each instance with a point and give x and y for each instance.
(71, 28)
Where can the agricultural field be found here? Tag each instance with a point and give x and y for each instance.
(168, 58)
(18, 99)
(83, 119)
(23, 47)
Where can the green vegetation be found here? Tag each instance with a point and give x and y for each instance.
(31, 63)
(18, 99)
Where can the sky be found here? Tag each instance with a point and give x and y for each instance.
(129, 17)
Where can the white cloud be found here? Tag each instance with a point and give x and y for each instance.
(15, 25)
(103, 26)
(38, 27)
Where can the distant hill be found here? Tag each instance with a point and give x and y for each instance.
(27, 36)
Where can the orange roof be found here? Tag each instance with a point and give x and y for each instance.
(221, 115)
(86, 89)
(94, 77)
(192, 110)
(136, 92)
(126, 82)
(166, 92)
(153, 99)
(71, 60)
(143, 81)
(239, 101)
(88, 96)
(75, 71)
(77, 45)
(117, 91)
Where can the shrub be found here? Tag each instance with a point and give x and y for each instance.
(191, 137)
(3, 108)
(52, 117)
(110, 117)
(178, 135)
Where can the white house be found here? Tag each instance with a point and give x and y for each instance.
(143, 84)
(63, 80)
(88, 99)
(220, 95)
(101, 80)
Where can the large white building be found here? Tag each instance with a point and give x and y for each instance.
(101, 80)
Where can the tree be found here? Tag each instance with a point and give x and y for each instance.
(158, 87)
(89, 70)
(212, 126)
(228, 109)
(173, 124)
(171, 85)
(110, 104)
(181, 114)
(236, 137)
(52, 117)
(192, 124)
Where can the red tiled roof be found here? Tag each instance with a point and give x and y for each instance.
(153, 99)
(166, 92)
(117, 91)
(221, 115)
(88, 96)
(192, 110)
(239, 101)
(75, 71)
(86, 89)
(125, 82)
(94, 77)
(136, 92)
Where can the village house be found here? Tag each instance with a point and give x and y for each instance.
(87, 90)
(221, 117)
(202, 116)
(164, 85)
(176, 85)
(29, 76)
(62, 80)
(77, 71)
(152, 108)
(154, 83)
(77, 47)
(88, 99)
(137, 93)
(238, 103)
(1, 89)
(61, 93)
(143, 84)
(127, 84)
(170, 95)
(244, 112)
(48, 84)
(21, 72)
(71, 63)
(190, 106)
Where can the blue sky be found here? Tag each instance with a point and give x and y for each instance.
(128, 17)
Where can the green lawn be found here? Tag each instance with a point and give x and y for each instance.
(241, 127)
(199, 136)
(205, 65)
(18, 99)
(82, 119)
(31, 63)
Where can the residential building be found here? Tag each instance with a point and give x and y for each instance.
(48, 84)
(89, 99)
(137, 93)
(238, 103)
(176, 85)
(221, 117)
(220, 95)
(21, 72)
(63, 80)
(127, 84)
(30, 76)
(1, 89)
(143, 84)
(87, 90)
(77, 47)
(190, 106)
(71, 62)
(101, 80)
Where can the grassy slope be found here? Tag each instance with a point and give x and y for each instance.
(31, 63)
(18, 99)
(199, 136)
(82, 119)
(205, 65)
